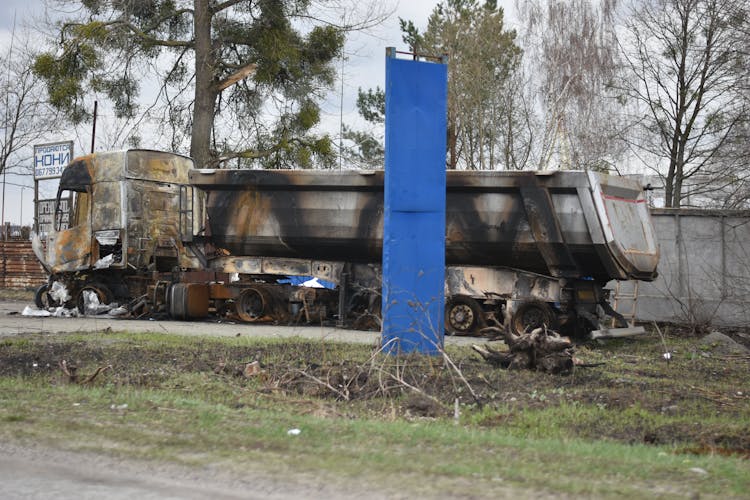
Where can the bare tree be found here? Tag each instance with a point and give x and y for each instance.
(483, 58)
(27, 119)
(687, 71)
(571, 52)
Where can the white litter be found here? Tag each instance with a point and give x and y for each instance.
(62, 312)
(105, 261)
(33, 311)
(294, 432)
(59, 293)
(91, 304)
(118, 311)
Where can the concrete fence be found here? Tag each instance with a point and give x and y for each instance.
(704, 270)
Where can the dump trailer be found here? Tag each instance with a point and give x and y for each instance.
(523, 249)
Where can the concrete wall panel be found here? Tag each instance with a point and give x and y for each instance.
(704, 270)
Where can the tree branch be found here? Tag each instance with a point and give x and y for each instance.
(235, 77)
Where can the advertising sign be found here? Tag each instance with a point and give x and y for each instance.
(45, 215)
(51, 159)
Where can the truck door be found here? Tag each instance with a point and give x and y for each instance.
(69, 245)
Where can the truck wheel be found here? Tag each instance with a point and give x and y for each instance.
(463, 315)
(252, 305)
(531, 315)
(101, 291)
(43, 299)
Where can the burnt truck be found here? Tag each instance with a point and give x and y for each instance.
(523, 249)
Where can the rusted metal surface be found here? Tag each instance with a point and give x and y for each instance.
(189, 300)
(329, 271)
(570, 224)
(18, 266)
(333, 217)
(500, 282)
(129, 210)
(545, 227)
(560, 224)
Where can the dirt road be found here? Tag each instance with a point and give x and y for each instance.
(12, 322)
(36, 472)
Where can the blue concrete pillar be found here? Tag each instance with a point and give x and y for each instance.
(414, 219)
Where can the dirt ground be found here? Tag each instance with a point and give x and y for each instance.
(35, 472)
(703, 378)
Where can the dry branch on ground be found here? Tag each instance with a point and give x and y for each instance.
(541, 349)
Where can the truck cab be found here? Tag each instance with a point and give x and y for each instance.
(130, 212)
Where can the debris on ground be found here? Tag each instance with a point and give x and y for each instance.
(33, 311)
(541, 349)
(252, 369)
(72, 376)
(59, 293)
(92, 306)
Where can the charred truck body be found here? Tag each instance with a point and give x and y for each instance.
(526, 248)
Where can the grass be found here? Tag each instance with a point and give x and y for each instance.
(636, 426)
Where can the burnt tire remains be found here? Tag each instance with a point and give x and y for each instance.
(531, 315)
(102, 293)
(43, 299)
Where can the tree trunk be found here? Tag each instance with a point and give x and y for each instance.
(205, 92)
(452, 159)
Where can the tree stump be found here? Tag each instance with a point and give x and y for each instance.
(541, 349)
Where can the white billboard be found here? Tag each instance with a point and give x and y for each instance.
(51, 159)
(45, 215)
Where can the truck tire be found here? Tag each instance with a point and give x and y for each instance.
(463, 316)
(101, 291)
(42, 298)
(531, 315)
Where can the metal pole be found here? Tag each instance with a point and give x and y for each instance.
(414, 206)
(341, 105)
(93, 130)
(36, 206)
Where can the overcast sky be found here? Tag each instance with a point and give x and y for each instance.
(364, 67)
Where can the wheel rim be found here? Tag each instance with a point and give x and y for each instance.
(461, 317)
(251, 305)
(101, 293)
(529, 317)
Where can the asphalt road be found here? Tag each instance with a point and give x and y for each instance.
(12, 322)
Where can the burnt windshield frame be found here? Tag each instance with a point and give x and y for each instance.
(76, 179)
